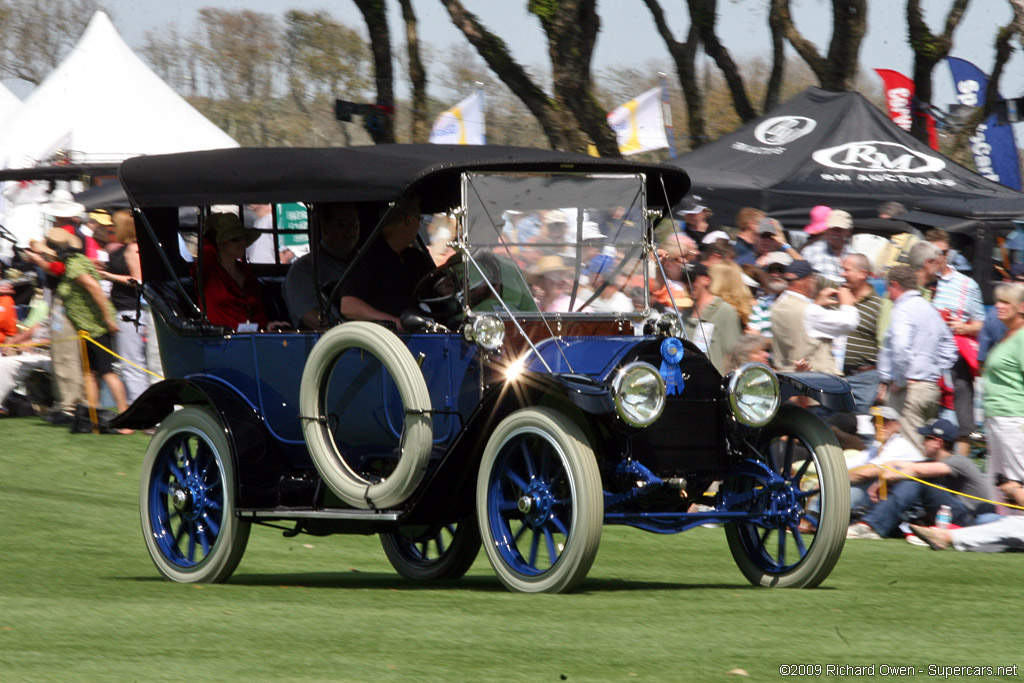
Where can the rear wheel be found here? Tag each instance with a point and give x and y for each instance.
(187, 500)
(426, 553)
(771, 550)
(539, 502)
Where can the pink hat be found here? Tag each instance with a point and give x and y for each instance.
(819, 217)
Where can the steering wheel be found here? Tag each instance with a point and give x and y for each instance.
(440, 290)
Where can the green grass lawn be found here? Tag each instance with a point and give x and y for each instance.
(80, 600)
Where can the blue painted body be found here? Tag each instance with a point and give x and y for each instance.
(266, 371)
(598, 357)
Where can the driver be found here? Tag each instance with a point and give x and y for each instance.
(381, 285)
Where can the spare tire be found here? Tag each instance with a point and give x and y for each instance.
(417, 435)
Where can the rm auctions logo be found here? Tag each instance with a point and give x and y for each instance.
(876, 155)
(781, 130)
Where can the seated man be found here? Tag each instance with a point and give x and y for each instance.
(16, 361)
(892, 447)
(339, 232)
(382, 283)
(951, 471)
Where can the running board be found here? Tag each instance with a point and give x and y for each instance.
(310, 513)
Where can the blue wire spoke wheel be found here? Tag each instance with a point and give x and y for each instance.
(428, 553)
(187, 500)
(539, 502)
(770, 549)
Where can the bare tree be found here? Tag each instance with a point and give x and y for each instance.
(928, 49)
(238, 51)
(836, 70)
(324, 60)
(704, 15)
(563, 122)
(35, 35)
(380, 126)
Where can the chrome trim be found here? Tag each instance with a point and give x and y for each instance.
(309, 513)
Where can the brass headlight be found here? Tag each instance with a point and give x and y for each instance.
(754, 396)
(639, 394)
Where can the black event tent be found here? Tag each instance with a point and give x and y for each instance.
(837, 149)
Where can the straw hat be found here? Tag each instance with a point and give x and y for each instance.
(62, 204)
(550, 264)
(227, 227)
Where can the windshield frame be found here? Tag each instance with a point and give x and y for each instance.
(636, 260)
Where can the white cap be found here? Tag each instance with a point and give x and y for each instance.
(714, 236)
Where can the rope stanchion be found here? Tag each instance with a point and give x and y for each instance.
(93, 418)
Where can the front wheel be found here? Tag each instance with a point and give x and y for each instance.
(431, 553)
(187, 500)
(539, 502)
(770, 549)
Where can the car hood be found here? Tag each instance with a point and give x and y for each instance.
(597, 357)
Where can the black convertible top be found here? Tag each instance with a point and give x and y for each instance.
(355, 174)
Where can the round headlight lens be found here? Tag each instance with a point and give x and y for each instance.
(489, 332)
(754, 394)
(639, 394)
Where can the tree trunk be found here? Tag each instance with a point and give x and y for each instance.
(419, 128)
(571, 27)
(684, 55)
(557, 123)
(381, 125)
(928, 49)
(838, 70)
(703, 15)
(771, 94)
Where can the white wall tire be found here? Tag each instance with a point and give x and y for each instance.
(342, 479)
(187, 500)
(539, 502)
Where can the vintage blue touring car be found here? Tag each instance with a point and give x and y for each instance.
(520, 405)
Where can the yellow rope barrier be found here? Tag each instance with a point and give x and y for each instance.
(943, 488)
(120, 358)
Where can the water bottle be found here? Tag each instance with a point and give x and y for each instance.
(943, 517)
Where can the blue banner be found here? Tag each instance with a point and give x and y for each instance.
(993, 144)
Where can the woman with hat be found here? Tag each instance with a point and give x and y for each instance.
(89, 310)
(231, 294)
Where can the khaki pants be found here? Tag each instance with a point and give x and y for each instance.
(65, 353)
(916, 403)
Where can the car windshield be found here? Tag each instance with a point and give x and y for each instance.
(555, 243)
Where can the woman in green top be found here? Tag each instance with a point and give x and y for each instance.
(89, 310)
(1004, 396)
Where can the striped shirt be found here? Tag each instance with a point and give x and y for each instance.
(862, 343)
(960, 295)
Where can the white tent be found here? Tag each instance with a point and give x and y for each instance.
(9, 102)
(103, 104)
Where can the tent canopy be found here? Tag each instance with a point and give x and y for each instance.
(9, 103)
(836, 149)
(102, 103)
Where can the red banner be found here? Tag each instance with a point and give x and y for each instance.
(899, 93)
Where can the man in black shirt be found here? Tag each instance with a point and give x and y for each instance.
(382, 283)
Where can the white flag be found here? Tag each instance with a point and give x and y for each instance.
(463, 124)
(639, 125)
